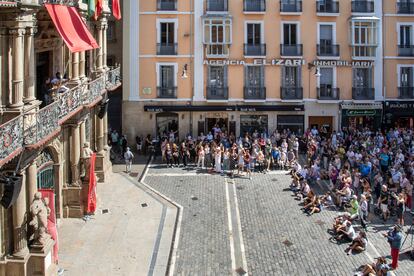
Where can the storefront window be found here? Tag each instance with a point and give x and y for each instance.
(294, 123)
(250, 123)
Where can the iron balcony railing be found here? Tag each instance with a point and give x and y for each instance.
(290, 5)
(364, 51)
(361, 6)
(167, 92)
(31, 128)
(405, 7)
(254, 5)
(291, 93)
(167, 5)
(217, 93)
(406, 50)
(406, 92)
(328, 50)
(255, 49)
(254, 93)
(327, 6)
(167, 49)
(291, 49)
(217, 6)
(328, 93)
(363, 93)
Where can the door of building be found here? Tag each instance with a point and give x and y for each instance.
(321, 121)
(223, 124)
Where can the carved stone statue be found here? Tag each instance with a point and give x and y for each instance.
(39, 210)
(87, 153)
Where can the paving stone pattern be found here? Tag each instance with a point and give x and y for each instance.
(279, 239)
(204, 247)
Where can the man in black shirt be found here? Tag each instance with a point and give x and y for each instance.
(383, 202)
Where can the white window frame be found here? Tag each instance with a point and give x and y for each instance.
(224, 30)
(298, 31)
(167, 20)
(399, 24)
(334, 80)
(333, 24)
(376, 29)
(399, 66)
(157, 70)
(263, 68)
(261, 29)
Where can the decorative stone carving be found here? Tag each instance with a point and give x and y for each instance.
(87, 153)
(39, 210)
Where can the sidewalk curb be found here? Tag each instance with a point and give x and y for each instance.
(177, 226)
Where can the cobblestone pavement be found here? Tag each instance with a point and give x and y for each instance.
(278, 238)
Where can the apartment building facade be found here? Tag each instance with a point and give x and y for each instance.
(399, 63)
(47, 120)
(252, 64)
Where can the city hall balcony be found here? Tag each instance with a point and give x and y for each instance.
(291, 50)
(363, 93)
(361, 6)
(254, 93)
(217, 93)
(290, 6)
(291, 93)
(167, 5)
(328, 93)
(405, 7)
(405, 92)
(167, 49)
(220, 6)
(256, 50)
(167, 92)
(32, 128)
(406, 50)
(327, 50)
(329, 7)
(252, 6)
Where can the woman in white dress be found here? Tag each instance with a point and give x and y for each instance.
(217, 158)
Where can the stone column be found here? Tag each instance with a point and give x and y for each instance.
(100, 26)
(105, 45)
(29, 66)
(20, 249)
(75, 67)
(16, 98)
(31, 182)
(82, 62)
(99, 133)
(75, 154)
(82, 137)
(105, 130)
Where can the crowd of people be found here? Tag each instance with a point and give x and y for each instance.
(363, 173)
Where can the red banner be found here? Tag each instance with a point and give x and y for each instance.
(51, 221)
(92, 186)
(116, 9)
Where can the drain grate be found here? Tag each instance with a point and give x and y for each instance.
(240, 271)
(105, 211)
(143, 205)
(194, 198)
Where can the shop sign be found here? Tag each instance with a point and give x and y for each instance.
(400, 105)
(343, 63)
(247, 109)
(265, 62)
(146, 91)
(353, 113)
(154, 109)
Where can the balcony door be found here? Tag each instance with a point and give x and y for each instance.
(290, 34)
(254, 36)
(362, 78)
(406, 76)
(291, 77)
(326, 36)
(167, 33)
(406, 35)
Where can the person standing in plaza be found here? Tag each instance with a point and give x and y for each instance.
(200, 157)
(394, 239)
(217, 161)
(128, 156)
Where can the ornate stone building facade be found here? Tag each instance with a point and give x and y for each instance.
(44, 126)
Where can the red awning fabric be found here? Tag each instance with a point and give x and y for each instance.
(71, 28)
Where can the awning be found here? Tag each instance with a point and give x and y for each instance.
(71, 28)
